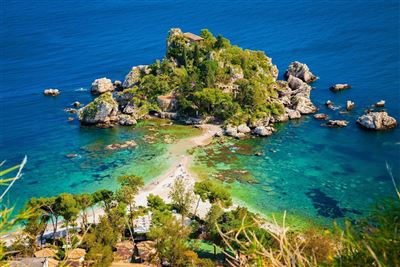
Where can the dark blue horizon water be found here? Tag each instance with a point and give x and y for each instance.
(68, 44)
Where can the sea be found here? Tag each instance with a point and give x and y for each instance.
(308, 170)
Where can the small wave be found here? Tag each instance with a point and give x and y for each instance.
(81, 89)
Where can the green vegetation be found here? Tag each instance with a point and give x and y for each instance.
(209, 77)
(233, 237)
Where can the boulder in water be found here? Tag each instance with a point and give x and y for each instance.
(339, 87)
(101, 111)
(378, 120)
(321, 116)
(349, 105)
(380, 104)
(243, 128)
(51, 92)
(102, 85)
(263, 130)
(337, 123)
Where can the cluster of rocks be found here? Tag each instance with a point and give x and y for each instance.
(294, 95)
(51, 92)
(105, 110)
(124, 145)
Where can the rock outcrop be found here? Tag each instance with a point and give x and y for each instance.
(133, 77)
(295, 96)
(76, 104)
(339, 87)
(51, 92)
(301, 71)
(243, 128)
(303, 105)
(378, 120)
(126, 120)
(293, 114)
(102, 111)
(102, 85)
(167, 103)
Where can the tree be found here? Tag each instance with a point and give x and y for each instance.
(221, 42)
(84, 201)
(35, 226)
(181, 196)
(213, 192)
(170, 241)
(100, 241)
(130, 185)
(104, 196)
(208, 69)
(156, 203)
(48, 207)
(68, 208)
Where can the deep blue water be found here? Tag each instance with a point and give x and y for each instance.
(67, 44)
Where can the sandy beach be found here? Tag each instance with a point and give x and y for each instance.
(162, 185)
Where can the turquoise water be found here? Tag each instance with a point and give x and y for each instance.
(315, 172)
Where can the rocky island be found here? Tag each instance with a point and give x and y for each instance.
(204, 79)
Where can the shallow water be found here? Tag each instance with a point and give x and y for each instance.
(68, 44)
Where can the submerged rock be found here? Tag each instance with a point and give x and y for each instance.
(70, 119)
(103, 110)
(380, 104)
(51, 92)
(102, 85)
(337, 123)
(125, 145)
(378, 120)
(301, 71)
(339, 87)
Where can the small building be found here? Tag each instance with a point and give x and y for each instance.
(142, 224)
(45, 253)
(124, 251)
(193, 37)
(33, 262)
(76, 255)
